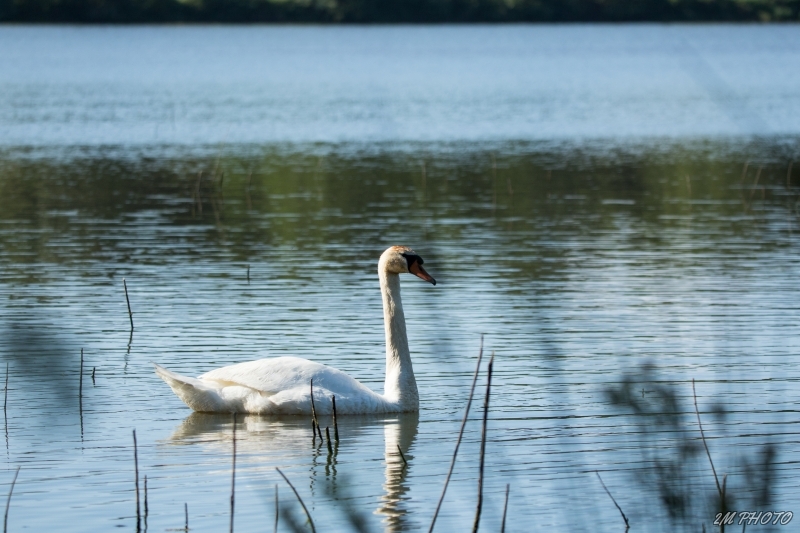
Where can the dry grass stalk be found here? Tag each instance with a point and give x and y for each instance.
(720, 489)
(80, 379)
(80, 392)
(479, 506)
(136, 471)
(335, 425)
(233, 472)
(305, 509)
(703, 436)
(328, 435)
(505, 509)
(403, 457)
(8, 501)
(625, 518)
(130, 313)
(460, 435)
(314, 413)
(5, 400)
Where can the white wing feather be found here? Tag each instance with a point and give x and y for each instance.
(281, 385)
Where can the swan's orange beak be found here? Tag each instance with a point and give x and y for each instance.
(418, 271)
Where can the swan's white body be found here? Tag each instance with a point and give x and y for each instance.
(282, 385)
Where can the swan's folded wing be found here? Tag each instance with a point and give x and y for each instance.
(271, 376)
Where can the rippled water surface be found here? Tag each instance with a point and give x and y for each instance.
(614, 208)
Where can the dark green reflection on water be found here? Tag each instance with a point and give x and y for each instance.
(122, 209)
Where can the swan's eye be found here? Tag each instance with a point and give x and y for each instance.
(411, 259)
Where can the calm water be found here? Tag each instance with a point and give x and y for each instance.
(198, 85)
(592, 199)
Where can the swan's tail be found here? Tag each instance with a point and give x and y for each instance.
(194, 393)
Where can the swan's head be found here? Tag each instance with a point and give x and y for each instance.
(404, 260)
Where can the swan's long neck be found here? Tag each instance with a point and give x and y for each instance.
(400, 386)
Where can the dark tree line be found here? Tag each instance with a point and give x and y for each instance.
(396, 11)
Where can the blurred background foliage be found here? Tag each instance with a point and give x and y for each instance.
(395, 11)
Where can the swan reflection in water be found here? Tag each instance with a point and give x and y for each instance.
(264, 442)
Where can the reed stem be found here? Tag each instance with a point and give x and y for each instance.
(476, 523)
(625, 518)
(233, 472)
(460, 435)
(305, 509)
(136, 471)
(80, 383)
(335, 425)
(403, 457)
(505, 510)
(130, 314)
(703, 436)
(277, 511)
(314, 413)
(8, 501)
(328, 434)
(723, 507)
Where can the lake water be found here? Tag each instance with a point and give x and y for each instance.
(592, 199)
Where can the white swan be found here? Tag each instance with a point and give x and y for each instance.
(282, 385)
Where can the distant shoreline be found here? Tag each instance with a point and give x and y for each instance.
(393, 11)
